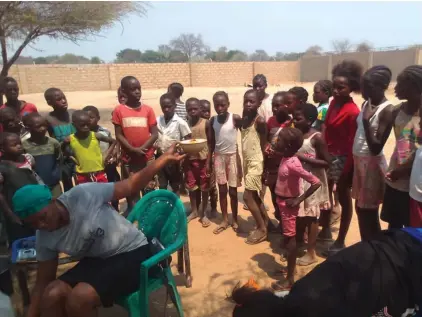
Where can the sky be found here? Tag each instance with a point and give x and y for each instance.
(272, 26)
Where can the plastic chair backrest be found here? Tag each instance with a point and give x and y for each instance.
(160, 214)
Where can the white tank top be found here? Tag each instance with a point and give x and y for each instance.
(225, 136)
(360, 146)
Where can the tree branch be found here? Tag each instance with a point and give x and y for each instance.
(30, 37)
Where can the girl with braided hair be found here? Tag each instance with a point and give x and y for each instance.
(406, 120)
(339, 131)
(374, 127)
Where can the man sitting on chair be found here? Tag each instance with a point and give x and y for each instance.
(82, 224)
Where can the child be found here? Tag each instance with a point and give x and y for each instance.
(11, 91)
(259, 83)
(280, 119)
(290, 174)
(291, 101)
(224, 144)
(176, 89)
(46, 152)
(315, 159)
(254, 133)
(197, 167)
(374, 127)
(206, 114)
(300, 93)
(135, 127)
(111, 165)
(60, 127)
(408, 137)
(339, 132)
(171, 129)
(85, 144)
(323, 90)
(10, 122)
(15, 172)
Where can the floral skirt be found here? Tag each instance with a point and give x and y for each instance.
(368, 181)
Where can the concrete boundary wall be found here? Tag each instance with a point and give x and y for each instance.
(37, 78)
(313, 68)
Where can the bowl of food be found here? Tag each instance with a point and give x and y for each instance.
(192, 146)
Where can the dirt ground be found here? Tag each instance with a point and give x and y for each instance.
(219, 262)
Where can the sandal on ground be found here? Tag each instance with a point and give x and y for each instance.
(303, 262)
(205, 223)
(256, 237)
(220, 229)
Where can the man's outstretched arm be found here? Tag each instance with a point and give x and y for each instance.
(138, 181)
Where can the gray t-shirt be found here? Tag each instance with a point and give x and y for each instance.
(95, 229)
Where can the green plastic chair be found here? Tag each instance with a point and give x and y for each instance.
(159, 214)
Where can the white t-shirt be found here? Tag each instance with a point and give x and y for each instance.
(415, 190)
(266, 109)
(174, 130)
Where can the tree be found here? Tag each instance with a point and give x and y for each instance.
(24, 60)
(129, 55)
(96, 60)
(176, 56)
(259, 56)
(279, 56)
(364, 47)
(314, 50)
(25, 22)
(341, 46)
(189, 44)
(150, 56)
(164, 50)
(40, 60)
(72, 59)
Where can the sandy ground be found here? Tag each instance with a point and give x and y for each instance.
(219, 262)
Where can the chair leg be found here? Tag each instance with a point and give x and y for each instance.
(188, 272)
(180, 267)
(175, 294)
(143, 302)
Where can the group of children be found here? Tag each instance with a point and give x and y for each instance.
(309, 157)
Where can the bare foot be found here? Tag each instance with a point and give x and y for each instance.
(193, 215)
(235, 226)
(205, 222)
(306, 260)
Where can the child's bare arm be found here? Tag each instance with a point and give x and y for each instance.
(261, 128)
(209, 156)
(322, 159)
(376, 141)
(122, 140)
(212, 137)
(237, 121)
(154, 136)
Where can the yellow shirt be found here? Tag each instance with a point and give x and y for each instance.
(88, 154)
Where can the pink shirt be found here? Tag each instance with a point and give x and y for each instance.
(290, 173)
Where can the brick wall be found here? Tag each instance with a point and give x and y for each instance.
(37, 78)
